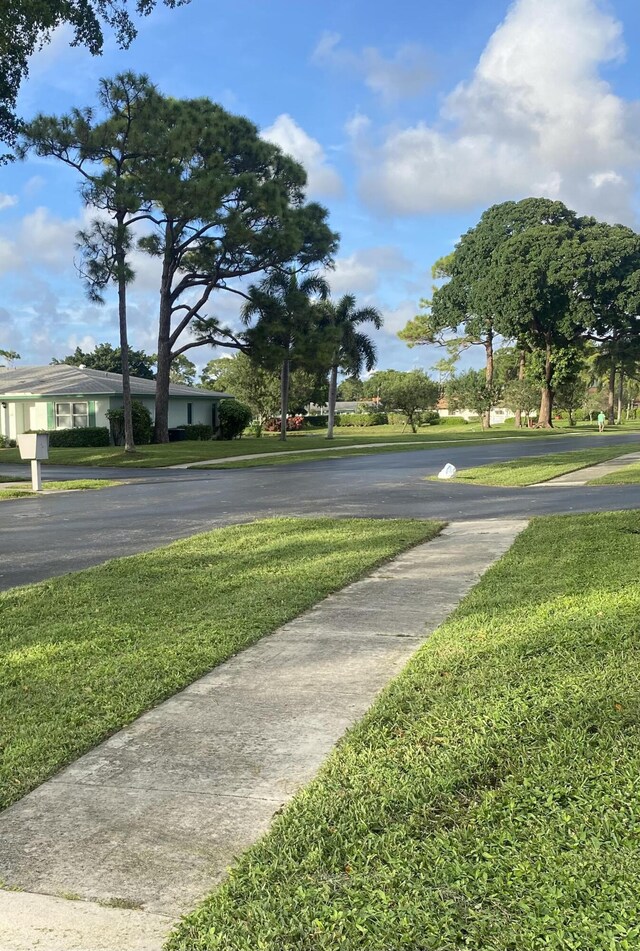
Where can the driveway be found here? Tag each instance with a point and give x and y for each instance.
(51, 535)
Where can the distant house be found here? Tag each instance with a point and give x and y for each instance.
(499, 414)
(65, 397)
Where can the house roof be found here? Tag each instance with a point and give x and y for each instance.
(64, 380)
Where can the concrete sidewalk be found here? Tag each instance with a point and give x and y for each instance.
(584, 476)
(151, 819)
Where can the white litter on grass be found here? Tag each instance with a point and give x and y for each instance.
(448, 472)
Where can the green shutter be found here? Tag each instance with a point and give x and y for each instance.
(51, 415)
(92, 412)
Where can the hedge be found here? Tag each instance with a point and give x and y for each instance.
(198, 431)
(81, 437)
(321, 421)
(452, 421)
(362, 419)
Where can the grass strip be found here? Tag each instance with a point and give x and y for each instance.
(21, 493)
(490, 800)
(278, 460)
(16, 493)
(179, 453)
(84, 654)
(531, 469)
(84, 484)
(627, 475)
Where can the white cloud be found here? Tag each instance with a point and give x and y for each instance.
(362, 271)
(405, 74)
(536, 116)
(7, 201)
(324, 180)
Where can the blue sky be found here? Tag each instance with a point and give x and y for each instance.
(410, 117)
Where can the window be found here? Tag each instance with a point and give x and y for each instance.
(72, 415)
(189, 413)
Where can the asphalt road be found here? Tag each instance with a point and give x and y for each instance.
(50, 535)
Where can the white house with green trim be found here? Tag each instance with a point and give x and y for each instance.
(64, 397)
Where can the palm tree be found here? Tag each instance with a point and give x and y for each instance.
(287, 333)
(354, 351)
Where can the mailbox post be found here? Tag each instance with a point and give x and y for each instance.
(34, 447)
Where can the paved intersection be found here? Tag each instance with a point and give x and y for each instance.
(51, 535)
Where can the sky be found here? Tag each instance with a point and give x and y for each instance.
(411, 118)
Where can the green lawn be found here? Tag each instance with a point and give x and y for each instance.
(531, 469)
(84, 654)
(15, 494)
(179, 453)
(627, 475)
(19, 493)
(490, 799)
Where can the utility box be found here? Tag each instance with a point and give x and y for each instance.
(33, 445)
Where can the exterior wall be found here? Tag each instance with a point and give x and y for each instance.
(499, 414)
(20, 415)
(202, 411)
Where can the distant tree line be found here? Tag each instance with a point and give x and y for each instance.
(559, 291)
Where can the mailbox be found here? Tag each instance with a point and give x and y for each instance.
(33, 445)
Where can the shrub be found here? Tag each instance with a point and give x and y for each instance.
(6, 443)
(82, 437)
(321, 421)
(428, 417)
(198, 432)
(142, 426)
(294, 424)
(453, 421)
(233, 418)
(254, 429)
(362, 419)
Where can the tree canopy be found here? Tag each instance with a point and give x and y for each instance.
(27, 25)
(109, 358)
(407, 392)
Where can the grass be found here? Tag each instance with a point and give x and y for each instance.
(179, 453)
(626, 475)
(16, 494)
(84, 484)
(278, 459)
(84, 654)
(489, 800)
(20, 493)
(531, 469)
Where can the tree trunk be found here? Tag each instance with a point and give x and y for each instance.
(333, 389)
(284, 398)
(620, 395)
(521, 367)
(611, 395)
(129, 445)
(488, 375)
(161, 424)
(546, 401)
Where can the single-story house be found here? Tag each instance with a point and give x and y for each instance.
(64, 397)
(499, 414)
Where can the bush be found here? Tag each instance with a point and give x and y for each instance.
(362, 419)
(6, 443)
(453, 421)
(233, 417)
(254, 429)
(142, 426)
(82, 437)
(294, 424)
(427, 417)
(321, 421)
(198, 432)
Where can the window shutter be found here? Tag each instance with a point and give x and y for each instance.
(51, 415)
(92, 412)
